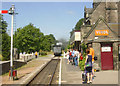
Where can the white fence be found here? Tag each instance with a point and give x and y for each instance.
(26, 57)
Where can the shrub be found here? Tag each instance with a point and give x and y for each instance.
(82, 64)
(0, 57)
(42, 53)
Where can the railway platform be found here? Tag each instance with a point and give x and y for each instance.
(71, 75)
(27, 70)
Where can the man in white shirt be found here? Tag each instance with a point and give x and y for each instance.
(76, 56)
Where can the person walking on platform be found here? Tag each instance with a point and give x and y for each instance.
(76, 55)
(67, 55)
(73, 52)
(36, 54)
(70, 56)
(88, 66)
(92, 53)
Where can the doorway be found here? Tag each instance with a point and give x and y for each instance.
(107, 56)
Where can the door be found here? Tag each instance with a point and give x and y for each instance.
(106, 56)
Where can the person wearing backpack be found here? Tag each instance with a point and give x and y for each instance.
(88, 66)
(92, 53)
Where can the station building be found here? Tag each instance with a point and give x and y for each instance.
(101, 29)
(75, 39)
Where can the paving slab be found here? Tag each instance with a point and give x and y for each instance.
(106, 77)
(72, 75)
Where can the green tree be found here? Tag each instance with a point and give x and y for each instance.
(28, 39)
(79, 23)
(5, 46)
(3, 25)
(77, 26)
(47, 42)
(5, 43)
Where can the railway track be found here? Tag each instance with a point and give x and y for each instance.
(47, 75)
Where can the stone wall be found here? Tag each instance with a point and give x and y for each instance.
(97, 46)
(111, 12)
(84, 31)
(97, 51)
(108, 13)
(119, 18)
(115, 55)
(99, 11)
(6, 66)
(102, 26)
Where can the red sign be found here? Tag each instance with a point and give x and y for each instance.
(3, 11)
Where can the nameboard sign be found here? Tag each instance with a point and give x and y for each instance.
(101, 32)
(106, 49)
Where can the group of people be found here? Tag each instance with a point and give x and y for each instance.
(73, 56)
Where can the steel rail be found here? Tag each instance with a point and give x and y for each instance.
(51, 79)
(54, 72)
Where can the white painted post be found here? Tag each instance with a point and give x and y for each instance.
(11, 57)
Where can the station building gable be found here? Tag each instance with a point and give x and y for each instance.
(101, 31)
(104, 39)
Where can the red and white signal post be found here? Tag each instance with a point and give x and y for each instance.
(11, 11)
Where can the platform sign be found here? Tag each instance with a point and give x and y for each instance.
(101, 32)
(106, 49)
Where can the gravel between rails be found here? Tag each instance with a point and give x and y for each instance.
(44, 77)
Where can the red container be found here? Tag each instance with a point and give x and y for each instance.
(14, 73)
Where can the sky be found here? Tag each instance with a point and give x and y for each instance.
(57, 18)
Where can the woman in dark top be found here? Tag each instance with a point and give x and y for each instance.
(88, 66)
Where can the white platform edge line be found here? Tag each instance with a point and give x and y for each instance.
(60, 72)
